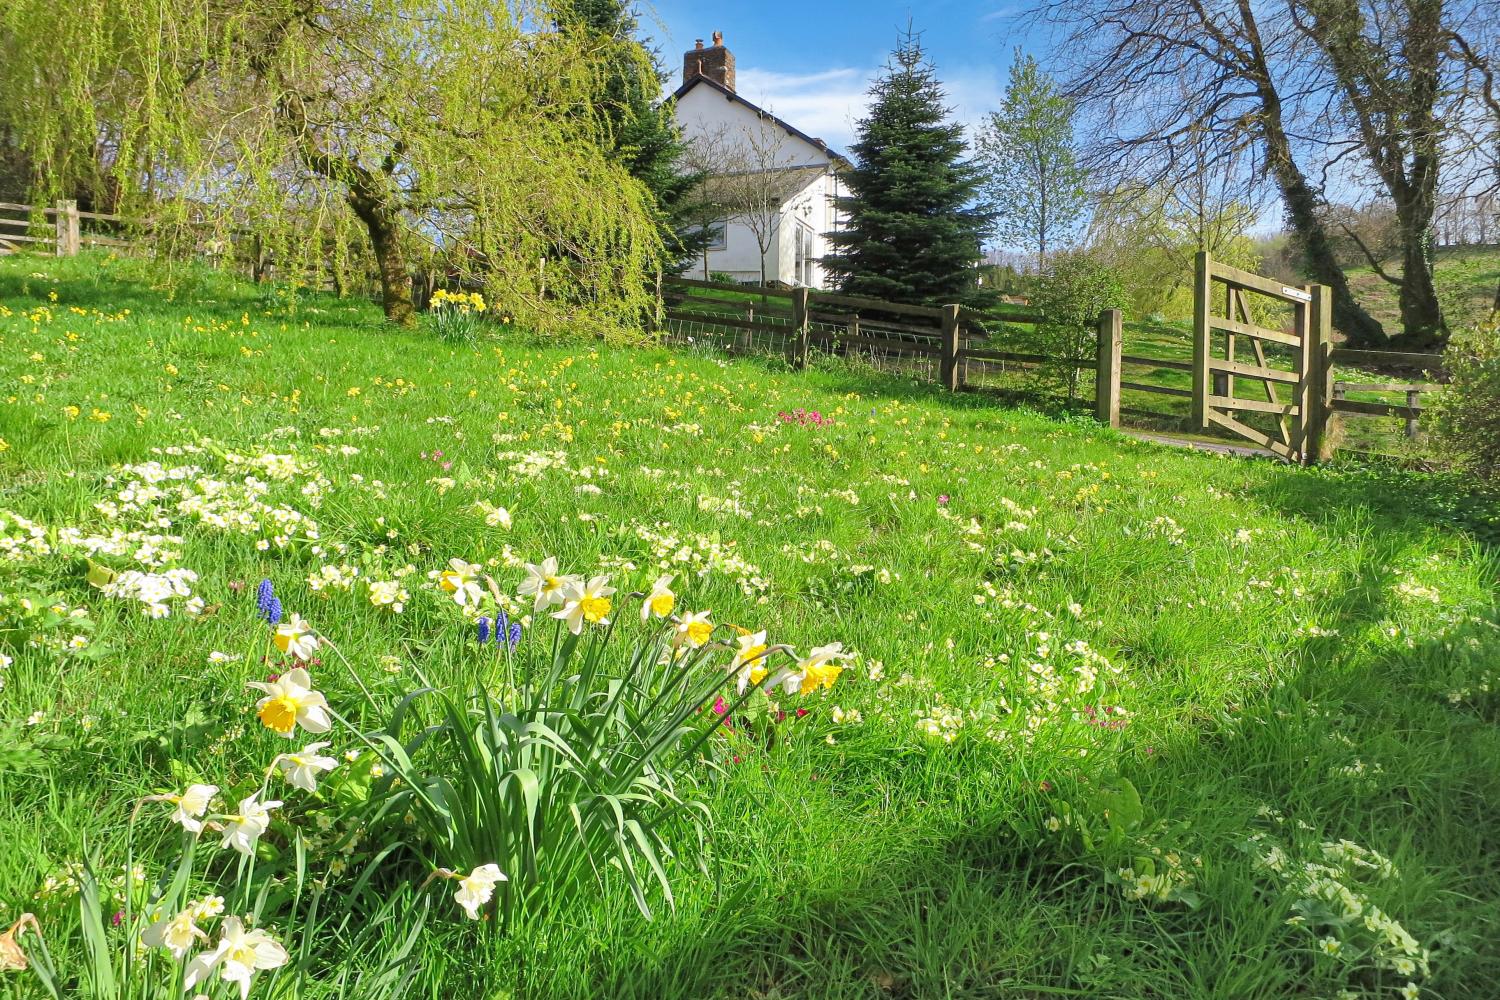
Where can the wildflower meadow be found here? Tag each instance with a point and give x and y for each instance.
(345, 661)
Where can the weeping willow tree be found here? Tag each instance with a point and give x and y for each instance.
(456, 130)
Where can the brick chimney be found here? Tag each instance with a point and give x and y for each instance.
(716, 63)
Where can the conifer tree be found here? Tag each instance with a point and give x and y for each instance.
(915, 222)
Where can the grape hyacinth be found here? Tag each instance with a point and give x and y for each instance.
(268, 603)
(503, 629)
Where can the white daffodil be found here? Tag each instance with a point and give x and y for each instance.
(750, 660)
(543, 582)
(303, 767)
(660, 602)
(296, 638)
(238, 956)
(586, 602)
(693, 629)
(191, 805)
(291, 701)
(243, 829)
(476, 888)
(461, 580)
(175, 934)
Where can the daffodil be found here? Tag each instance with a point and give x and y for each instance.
(296, 638)
(476, 888)
(586, 602)
(243, 829)
(303, 767)
(750, 660)
(238, 956)
(660, 602)
(175, 934)
(191, 805)
(461, 580)
(543, 581)
(693, 629)
(819, 669)
(290, 702)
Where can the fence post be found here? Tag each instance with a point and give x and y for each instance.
(1202, 336)
(1317, 374)
(800, 326)
(1413, 400)
(66, 220)
(949, 349)
(1107, 378)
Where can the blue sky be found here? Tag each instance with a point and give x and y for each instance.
(811, 62)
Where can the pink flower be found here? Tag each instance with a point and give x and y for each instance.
(942, 500)
(721, 707)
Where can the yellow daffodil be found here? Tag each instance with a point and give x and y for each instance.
(291, 701)
(296, 638)
(693, 629)
(238, 956)
(476, 888)
(586, 602)
(750, 660)
(545, 584)
(819, 669)
(660, 602)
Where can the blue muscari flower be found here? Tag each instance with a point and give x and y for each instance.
(484, 631)
(515, 634)
(268, 603)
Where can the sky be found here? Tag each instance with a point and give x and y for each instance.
(811, 62)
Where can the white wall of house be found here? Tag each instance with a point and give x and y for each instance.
(807, 216)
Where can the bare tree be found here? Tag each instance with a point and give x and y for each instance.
(747, 179)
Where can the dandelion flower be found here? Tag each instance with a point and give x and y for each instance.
(586, 602)
(477, 888)
(290, 702)
(660, 602)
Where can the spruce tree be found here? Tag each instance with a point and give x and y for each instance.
(915, 221)
(642, 127)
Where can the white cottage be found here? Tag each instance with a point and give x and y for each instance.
(777, 183)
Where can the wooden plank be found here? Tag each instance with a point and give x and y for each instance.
(709, 300)
(896, 308)
(712, 319)
(1164, 390)
(1348, 356)
(1257, 283)
(106, 241)
(1254, 371)
(985, 354)
(1255, 405)
(1203, 270)
(1282, 425)
(1387, 386)
(105, 217)
(30, 239)
(1244, 430)
(1136, 359)
(930, 332)
(1108, 337)
(10, 206)
(1374, 409)
(1251, 330)
(17, 223)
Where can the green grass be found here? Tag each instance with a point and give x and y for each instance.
(1302, 657)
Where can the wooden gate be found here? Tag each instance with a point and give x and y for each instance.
(1291, 378)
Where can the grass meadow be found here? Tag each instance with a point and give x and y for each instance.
(1112, 720)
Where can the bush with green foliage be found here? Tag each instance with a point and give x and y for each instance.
(1070, 295)
(1465, 417)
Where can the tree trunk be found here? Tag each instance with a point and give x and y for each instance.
(1359, 328)
(1422, 321)
(390, 259)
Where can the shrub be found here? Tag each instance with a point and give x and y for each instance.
(1464, 418)
(1070, 294)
